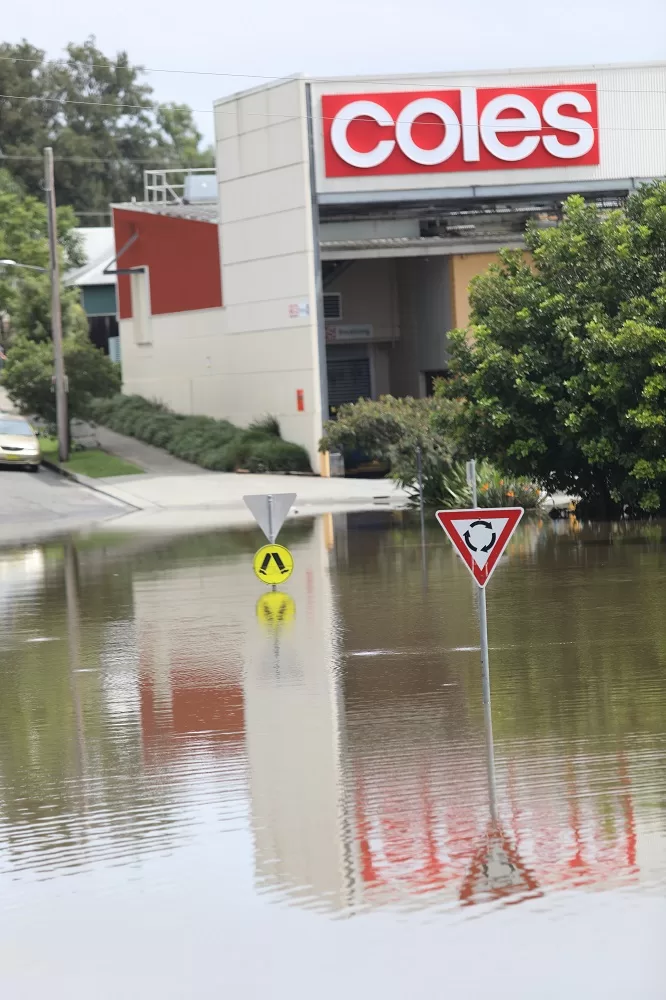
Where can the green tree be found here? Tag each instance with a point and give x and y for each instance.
(562, 374)
(25, 305)
(27, 120)
(180, 141)
(28, 371)
(100, 118)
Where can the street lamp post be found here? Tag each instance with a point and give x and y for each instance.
(56, 314)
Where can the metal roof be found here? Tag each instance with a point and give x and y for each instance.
(196, 213)
(99, 250)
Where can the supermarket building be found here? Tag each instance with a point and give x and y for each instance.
(334, 250)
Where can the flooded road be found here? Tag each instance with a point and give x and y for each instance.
(207, 792)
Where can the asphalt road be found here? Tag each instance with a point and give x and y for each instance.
(36, 505)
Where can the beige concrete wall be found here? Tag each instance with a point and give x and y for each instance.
(184, 357)
(369, 295)
(425, 316)
(464, 267)
(268, 264)
(381, 369)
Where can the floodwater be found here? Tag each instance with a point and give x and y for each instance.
(205, 794)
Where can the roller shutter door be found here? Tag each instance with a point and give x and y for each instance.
(348, 380)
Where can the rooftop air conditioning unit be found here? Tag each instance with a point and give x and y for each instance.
(200, 188)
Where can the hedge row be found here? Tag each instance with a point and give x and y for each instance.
(212, 444)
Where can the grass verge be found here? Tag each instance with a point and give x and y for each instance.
(92, 462)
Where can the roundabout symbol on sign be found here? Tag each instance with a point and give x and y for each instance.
(486, 535)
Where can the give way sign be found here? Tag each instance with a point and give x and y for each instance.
(480, 536)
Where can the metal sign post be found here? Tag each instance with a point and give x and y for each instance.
(419, 476)
(480, 536)
(487, 711)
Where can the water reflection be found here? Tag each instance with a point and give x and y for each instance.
(150, 705)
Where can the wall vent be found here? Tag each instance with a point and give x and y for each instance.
(332, 305)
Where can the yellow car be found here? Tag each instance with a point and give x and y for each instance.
(19, 444)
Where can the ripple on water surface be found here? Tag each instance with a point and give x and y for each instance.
(252, 788)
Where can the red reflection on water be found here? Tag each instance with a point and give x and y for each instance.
(411, 843)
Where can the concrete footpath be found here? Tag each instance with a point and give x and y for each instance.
(216, 499)
(174, 495)
(152, 460)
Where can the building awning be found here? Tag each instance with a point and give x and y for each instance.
(418, 246)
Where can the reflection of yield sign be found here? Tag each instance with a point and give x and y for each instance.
(496, 871)
(480, 536)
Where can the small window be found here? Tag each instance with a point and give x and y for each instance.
(140, 291)
(332, 305)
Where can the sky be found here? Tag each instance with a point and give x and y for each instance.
(263, 38)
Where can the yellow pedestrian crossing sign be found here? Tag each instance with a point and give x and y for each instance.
(273, 564)
(276, 609)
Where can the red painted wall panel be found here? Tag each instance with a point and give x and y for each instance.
(183, 258)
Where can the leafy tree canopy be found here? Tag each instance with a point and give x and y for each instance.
(99, 116)
(562, 374)
(27, 375)
(25, 304)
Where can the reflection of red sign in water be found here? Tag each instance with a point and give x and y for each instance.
(497, 871)
(194, 704)
(413, 841)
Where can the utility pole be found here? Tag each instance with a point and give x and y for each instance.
(62, 420)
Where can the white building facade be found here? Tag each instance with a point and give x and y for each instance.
(352, 214)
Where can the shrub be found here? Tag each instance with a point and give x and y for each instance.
(275, 455)
(450, 490)
(391, 429)
(212, 444)
(266, 425)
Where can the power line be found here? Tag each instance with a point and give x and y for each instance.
(148, 69)
(383, 78)
(292, 117)
(91, 159)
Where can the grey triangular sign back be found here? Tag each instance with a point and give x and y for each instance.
(260, 506)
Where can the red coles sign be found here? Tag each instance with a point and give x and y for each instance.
(438, 131)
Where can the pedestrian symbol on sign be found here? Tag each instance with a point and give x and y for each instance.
(273, 563)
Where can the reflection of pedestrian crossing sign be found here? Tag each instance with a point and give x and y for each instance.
(276, 609)
(273, 564)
